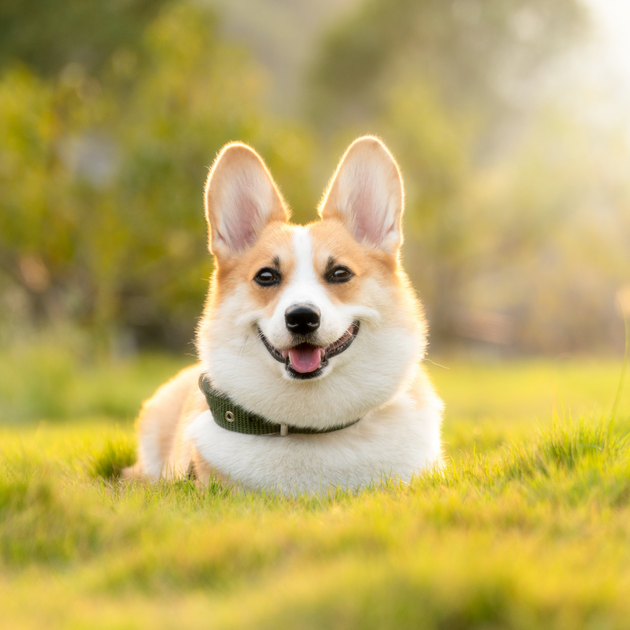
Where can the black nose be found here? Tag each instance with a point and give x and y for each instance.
(301, 320)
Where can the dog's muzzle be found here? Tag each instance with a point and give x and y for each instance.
(305, 360)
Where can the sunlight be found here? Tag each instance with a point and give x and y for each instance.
(612, 18)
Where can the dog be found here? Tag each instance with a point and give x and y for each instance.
(310, 344)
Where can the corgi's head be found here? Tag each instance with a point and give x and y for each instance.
(311, 325)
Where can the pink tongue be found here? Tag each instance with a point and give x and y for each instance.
(306, 358)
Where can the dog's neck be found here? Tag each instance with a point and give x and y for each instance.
(233, 417)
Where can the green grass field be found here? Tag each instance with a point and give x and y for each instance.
(528, 527)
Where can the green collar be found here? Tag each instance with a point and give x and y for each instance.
(234, 418)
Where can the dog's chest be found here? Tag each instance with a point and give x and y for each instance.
(397, 441)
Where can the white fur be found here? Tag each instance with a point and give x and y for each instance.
(396, 441)
(381, 361)
(305, 288)
(369, 381)
(149, 455)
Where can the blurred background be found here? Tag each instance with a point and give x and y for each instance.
(509, 118)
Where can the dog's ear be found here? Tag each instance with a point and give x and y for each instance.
(241, 199)
(366, 194)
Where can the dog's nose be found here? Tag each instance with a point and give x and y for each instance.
(303, 319)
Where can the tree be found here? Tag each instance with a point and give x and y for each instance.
(481, 54)
(47, 35)
(101, 180)
(445, 83)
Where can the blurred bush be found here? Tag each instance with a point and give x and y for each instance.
(101, 178)
(481, 55)
(54, 375)
(48, 35)
(518, 208)
(517, 205)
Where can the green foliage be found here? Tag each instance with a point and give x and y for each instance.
(524, 527)
(566, 446)
(117, 454)
(506, 178)
(532, 535)
(56, 375)
(101, 218)
(36, 517)
(48, 35)
(517, 200)
(474, 52)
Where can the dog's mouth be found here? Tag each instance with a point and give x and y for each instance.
(306, 360)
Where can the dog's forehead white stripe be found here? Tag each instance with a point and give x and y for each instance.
(303, 252)
(305, 286)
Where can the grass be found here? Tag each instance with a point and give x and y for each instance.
(527, 527)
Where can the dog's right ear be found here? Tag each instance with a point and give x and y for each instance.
(366, 194)
(241, 199)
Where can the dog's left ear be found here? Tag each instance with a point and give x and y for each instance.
(241, 199)
(366, 194)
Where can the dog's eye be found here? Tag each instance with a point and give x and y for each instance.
(267, 277)
(339, 274)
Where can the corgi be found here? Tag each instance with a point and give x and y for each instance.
(310, 345)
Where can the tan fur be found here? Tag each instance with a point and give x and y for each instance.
(162, 414)
(274, 242)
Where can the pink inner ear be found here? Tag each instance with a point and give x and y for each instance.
(368, 216)
(242, 221)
